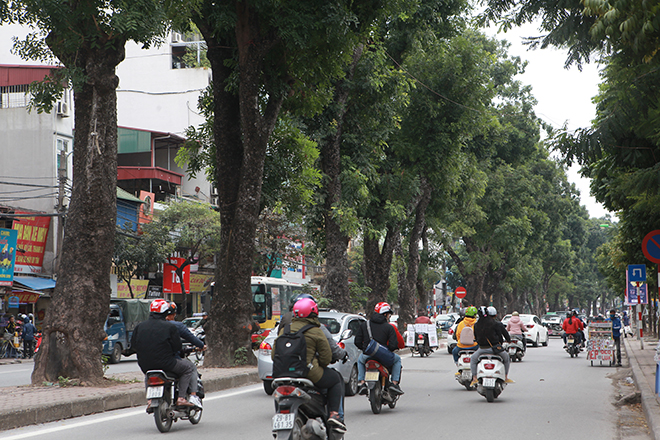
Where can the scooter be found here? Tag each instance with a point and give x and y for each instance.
(515, 348)
(378, 382)
(572, 347)
(300, 411)
(421, 345)
(163, 392)
(491, 376)
(465, 376)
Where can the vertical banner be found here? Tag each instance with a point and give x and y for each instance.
(433, 336)
(171, 282)
(32, 237)
(8, 239)
(410, 336)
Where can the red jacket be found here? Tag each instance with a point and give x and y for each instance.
(423, 320)
(399, 338)
(572, 325)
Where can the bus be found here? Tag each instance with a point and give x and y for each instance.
(272, 298)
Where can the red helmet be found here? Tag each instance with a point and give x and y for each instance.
(382, 308)
(304, 307)
(159, 306)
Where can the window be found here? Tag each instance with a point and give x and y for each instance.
(354, 324)
(188, 51)
(62, 150)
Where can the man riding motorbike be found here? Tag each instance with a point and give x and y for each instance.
(573, 326)
(517, 328)
(468, 321)
(157, 344)
(489, 332)
(384, 334)
(305, 312)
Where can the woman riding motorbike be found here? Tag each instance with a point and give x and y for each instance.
(516, 328)
(489, 332)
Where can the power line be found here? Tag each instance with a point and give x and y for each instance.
(27, 184)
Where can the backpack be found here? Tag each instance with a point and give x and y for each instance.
(467, 336)
(290, 359)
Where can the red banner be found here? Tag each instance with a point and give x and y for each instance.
(32, 237)
(171, 282)
(26, 297)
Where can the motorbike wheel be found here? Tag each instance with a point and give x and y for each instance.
(490, 394)
(375, 398)
(195, 416)
(536, 343)
(163, 420)
(268, 387)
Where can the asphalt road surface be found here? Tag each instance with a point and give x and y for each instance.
(554, 396)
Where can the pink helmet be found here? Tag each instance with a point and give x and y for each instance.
(382, 308)
(304, 307)
(159, 306)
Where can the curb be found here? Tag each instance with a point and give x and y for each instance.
(99, 404)
(649, 402)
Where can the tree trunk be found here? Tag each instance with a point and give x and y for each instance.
(377, 266)
(405, 298)
(241, 133)
(73, 330)
(422, 292)
(474, 279)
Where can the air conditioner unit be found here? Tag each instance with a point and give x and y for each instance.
(177, 37)
(214, 191)
(62, 109)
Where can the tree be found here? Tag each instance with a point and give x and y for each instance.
(88, 39)
(189, 229)
(134, 255)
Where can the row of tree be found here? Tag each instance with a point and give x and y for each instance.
(398, 123)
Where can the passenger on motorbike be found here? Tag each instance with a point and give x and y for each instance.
(517, 329)
(489, 332)
(384, 334)
(157, 344)
(573, 326)
(305, 312)
(423, 319)
(468, 321)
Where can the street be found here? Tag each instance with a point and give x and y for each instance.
(553, 395)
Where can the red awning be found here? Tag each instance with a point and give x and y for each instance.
(14, 75)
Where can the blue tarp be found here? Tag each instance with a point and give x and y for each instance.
(35, 283)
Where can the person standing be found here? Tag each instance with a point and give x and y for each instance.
(28, 338)
(616, 335)
(11, 329)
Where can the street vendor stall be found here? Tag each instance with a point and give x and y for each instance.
(600, 346)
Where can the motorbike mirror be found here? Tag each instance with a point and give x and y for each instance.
(346, 334)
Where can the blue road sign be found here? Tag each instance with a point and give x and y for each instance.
(637, 272)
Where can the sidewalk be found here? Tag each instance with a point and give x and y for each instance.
(30, 405)
(643, 369)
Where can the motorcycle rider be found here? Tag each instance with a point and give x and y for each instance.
(488, 332)
(572, 326)
(468, 320)
(384, 334)
(157, 344)
(305, 312)
(517, 328)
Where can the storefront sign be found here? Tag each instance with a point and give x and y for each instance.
(13, 302)
(139, 288)
(27, 297)
(171, 281)
(200, 282)
(154, 292)
(32, 237)
(7, 256)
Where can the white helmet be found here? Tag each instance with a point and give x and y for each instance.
(492, 311)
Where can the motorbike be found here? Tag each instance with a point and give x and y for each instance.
(465, 376)
(572, 346)
(162, 393)
(378, 382)
(515, 348)
(300, 411)
(421, 345)
(491, 376)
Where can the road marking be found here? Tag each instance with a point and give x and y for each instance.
(81, 424)
(15, 371)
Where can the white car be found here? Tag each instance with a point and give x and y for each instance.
(337, 323)
(536, 332)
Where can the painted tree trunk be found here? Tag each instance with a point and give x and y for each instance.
(73, 329)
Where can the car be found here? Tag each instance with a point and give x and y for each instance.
(451, 338)
(192, 322)
(552, 321)
(445, 322)
(536, 332)
(337, 323)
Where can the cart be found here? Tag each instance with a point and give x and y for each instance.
(600, 346)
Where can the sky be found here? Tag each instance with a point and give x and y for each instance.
(564, 96)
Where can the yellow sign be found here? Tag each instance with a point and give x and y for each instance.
(139, 288)
(200, 282)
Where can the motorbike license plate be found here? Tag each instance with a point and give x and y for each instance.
(489, 382)
(154, 392)
(467, 374)
(570, 340)
(283, 421)
(371, 375)
(512, 350)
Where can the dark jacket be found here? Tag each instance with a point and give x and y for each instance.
(157, 343)
(381, 330)
(28, 331)
(488, 332)
(616, 327)
(187, 335)
(318, 349)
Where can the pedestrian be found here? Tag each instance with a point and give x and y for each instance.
(616, 335)
(28, 338)
(10, 329)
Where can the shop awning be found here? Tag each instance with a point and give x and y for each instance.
(34, 283)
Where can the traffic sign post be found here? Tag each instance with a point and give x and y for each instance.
(637, 277)
(651, 250)
(460, 292)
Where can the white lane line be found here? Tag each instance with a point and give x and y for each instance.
(15, 371)
(81, 424)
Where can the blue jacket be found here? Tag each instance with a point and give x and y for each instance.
(187, 335)
(616, 327)
(28, 331)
